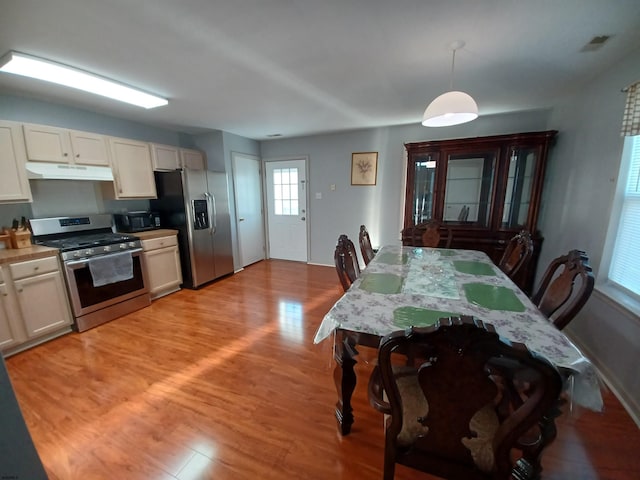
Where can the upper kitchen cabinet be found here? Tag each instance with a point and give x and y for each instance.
(14, 185)
(59, 145)
(165, 157)
(192, 159)
(132, 169)
(485, 189)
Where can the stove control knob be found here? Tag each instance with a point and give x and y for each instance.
(123, 246)
(107, 248)
(77, 254)
(89, 252)
(132, 244)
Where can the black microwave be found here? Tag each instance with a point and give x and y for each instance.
(136, 221)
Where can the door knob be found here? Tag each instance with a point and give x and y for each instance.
(241, 219)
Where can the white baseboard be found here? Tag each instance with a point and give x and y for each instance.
(629, 403)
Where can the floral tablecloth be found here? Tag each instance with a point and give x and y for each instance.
(405, 286)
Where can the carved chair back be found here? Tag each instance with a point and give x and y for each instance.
(365, 245)
(460, 399)
(517, 254)
(565, 288)
(346, 261)
(428, 234)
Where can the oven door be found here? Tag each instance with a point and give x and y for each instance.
(85, 298)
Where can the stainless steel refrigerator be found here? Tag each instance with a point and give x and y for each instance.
(196, 203)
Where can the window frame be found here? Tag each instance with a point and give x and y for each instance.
(620, 296)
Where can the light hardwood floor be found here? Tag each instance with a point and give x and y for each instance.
(225, 383)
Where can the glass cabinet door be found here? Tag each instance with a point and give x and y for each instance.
(469, 187)
(522, 165)
(424, 181)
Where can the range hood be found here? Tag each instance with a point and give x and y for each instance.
(60, 171)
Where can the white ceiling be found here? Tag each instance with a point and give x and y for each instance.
(293, 67)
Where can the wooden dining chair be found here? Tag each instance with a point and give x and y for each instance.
(462, 403)
(365, 245)
(517, 254)
(346, 261)
(428, 234)
(565, 288)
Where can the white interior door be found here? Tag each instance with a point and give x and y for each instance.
(286, 182)
(249, 213)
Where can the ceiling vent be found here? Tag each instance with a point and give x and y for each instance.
(595, 43)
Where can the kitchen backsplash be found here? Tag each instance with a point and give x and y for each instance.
(53, 198)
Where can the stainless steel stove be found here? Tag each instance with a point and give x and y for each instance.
(104, 270)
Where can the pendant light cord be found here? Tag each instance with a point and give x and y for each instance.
(453, 62)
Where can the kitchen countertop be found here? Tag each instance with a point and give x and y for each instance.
(149, 234)
(39, 251)
(28, 253)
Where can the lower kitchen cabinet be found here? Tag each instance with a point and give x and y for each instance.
(33, 305)
(162, 259)
(8, 334)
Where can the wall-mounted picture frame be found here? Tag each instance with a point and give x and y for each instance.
(364, 168)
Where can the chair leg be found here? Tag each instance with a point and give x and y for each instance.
(389, 460)
(530, 467)
(345, 380)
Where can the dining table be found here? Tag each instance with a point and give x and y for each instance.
(407, 286)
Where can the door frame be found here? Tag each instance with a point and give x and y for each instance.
(265, 238)
(307, 222)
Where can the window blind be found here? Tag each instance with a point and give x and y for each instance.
(631, 115)
(625, 263)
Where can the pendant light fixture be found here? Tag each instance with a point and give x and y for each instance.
(453, 107)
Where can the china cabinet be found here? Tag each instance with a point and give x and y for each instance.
(485, 189)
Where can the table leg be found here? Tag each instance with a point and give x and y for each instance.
(344, 377)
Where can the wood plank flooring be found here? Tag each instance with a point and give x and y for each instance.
(225, 383)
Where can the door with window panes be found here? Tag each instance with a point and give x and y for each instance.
(287, 209)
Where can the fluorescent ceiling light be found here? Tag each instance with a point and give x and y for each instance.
(48, 71)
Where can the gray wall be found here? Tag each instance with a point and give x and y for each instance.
(218, 147)
(63, 197)
(578, 193)
(576, 203)
(379, 207)
(578, 196)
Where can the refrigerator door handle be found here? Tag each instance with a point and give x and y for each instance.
(212, 213)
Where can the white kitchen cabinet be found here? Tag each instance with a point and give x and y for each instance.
(165, 157)
(162, 259)
(192, 159)
(60, 145)
(33, 303)
(41, 295)
(14, 184)
(132, 169)
(9, 334)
